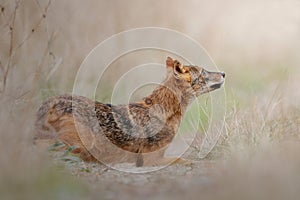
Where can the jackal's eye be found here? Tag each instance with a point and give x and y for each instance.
(203, 73)
(195, 81)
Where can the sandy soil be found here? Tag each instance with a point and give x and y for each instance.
(175, 181)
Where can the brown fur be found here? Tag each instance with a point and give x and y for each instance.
(139, 132)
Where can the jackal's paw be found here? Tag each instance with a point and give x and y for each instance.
(183, 161)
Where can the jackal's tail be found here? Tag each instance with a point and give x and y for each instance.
(49, 113)
(55, 122)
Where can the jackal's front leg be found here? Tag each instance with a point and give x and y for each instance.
(158, 159)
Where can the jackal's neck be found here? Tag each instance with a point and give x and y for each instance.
(173, 95)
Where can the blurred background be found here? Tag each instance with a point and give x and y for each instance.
(257, 44)
(260, 39)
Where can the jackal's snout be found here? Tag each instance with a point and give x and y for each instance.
(213, 80)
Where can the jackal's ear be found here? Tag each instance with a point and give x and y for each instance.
(170, 62)
(181, 72)
(174, 64)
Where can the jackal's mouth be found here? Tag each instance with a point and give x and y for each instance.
(216, 86)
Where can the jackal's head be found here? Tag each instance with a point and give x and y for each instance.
(197, 78)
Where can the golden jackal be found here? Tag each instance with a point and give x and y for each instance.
(138, 132)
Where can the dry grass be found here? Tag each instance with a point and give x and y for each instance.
(42, 43)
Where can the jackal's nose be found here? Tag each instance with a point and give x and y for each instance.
(223, 74)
